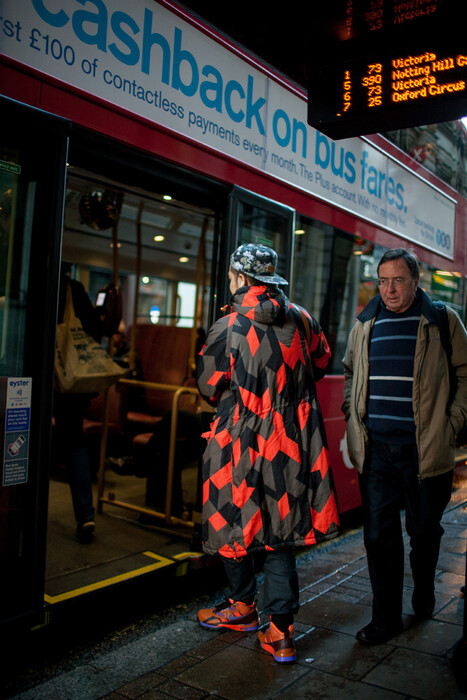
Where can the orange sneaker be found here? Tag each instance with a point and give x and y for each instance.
(280, 645)
(232, 615)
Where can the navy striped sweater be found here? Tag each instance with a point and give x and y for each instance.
(392, 350)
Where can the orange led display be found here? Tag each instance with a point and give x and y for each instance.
(379, 65)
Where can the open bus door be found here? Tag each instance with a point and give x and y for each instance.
(32, 182)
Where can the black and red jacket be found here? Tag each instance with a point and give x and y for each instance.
(266, 471)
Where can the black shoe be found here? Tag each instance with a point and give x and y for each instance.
(372, 634)
(85, 531)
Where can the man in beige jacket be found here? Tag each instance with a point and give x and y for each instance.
(403, 412)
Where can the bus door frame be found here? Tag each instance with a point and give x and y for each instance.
(239, 196)
(44, 141)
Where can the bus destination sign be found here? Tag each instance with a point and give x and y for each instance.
(379, 65)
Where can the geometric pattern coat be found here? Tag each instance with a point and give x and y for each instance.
(267, 480)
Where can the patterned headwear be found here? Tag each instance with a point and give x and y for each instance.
(257, 261)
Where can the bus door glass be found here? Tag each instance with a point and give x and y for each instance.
(161, 250)
(254, 219)
(334, 278)
(165, 249)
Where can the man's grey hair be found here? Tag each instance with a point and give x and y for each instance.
(407, 255)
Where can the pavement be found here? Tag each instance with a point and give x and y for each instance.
(183, 660)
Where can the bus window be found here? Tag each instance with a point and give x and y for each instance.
(258, 225)
(258, 220)
(153, 300)
(186, 293)
(443, 285)
(334, 276)
(165, 249)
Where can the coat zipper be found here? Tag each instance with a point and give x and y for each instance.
(427, 340)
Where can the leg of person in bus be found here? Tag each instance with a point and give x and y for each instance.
(189, 447)
(79, 475)
(68, 412)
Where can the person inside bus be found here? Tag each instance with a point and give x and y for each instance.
(68, 411)
(268, 485)
(401, 426)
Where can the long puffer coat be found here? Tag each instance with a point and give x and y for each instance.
(267, 481)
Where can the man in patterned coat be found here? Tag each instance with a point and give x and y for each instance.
(267, 479)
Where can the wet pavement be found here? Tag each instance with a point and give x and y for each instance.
(183, 660)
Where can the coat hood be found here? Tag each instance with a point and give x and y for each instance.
(263, 304)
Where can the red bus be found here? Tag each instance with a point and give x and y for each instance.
(141, 148)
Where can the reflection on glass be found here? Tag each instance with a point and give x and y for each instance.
(16, 194)
(153, 301)
(334, 277)
(169, 241)
(269, 228)
(187, 296)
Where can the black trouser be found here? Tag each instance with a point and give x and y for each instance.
(68, 414)
(390, 481)
(281, 593)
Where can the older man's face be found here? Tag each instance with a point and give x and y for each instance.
(396, 285)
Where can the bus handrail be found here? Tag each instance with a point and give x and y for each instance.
(178, 391)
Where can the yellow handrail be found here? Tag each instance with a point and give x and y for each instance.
(178, 391)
